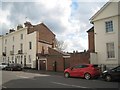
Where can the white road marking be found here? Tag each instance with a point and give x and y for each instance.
(22, 76)
(69, 85)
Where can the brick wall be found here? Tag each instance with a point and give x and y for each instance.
(91, 43)
(53, 57)
(79, 58)
(63, 63)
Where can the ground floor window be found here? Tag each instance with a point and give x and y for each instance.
(110, 50)
(29, 57)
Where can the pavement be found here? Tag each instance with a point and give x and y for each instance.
(43, 72)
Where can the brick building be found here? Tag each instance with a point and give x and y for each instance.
(91, 43)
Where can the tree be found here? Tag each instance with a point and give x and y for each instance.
(60, 45)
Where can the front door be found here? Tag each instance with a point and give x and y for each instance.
(42, 65)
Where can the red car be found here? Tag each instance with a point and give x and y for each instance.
(86, 71)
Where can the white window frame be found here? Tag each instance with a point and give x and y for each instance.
(30, 45)
(21, 36)
(29, 57)
(110, 50)
(109, 26)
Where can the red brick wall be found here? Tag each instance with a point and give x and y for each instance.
(91, 44)
(79, 58)
(45, 34)
(75, 58)
(55, 56)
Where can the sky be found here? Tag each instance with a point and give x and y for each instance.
(67, 19)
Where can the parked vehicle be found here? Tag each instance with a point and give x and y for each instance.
(14, 66)
(86, 71)
(111, 74)
(3, 65)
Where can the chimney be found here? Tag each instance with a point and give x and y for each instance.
(19, 26)
(27, 24)
(11, 30)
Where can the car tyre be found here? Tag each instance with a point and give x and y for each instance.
(87, 76)
(108, 78)
(67, 75)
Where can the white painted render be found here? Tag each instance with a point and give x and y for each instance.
(110, 13)
(101, 38)
(16, 42)
(0, 49)
(107, 11)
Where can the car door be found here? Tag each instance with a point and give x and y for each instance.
(116, 72)
(75, 71)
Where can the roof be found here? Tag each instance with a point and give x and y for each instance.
(96, 14)
(91, 29)
(43, 24)
(61, 52)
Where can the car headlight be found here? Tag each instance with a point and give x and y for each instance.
(105, 71)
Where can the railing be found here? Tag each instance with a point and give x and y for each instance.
(4, 54)
(20, 52)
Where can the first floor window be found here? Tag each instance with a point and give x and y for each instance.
(110, 50)
(30, 45)
(109, 26)
(29, 57)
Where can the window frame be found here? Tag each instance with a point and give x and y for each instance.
(109, 26)
(21, 36)
(110, 50)
(30, 45)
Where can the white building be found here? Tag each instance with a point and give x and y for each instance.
(0, 49)
(25, 45)
(107, 35)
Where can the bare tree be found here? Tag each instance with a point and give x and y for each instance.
(60, 45)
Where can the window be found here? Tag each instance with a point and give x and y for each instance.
(5, 41)
(80, 66)
(30, 45)
(5, 50)
(21, 46)
(110, 50)
(109, 26)
(13, 38)
(21, 36)
(29, 57)
(13, 48)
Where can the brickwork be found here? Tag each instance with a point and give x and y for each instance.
(53, 57)
(79, 58)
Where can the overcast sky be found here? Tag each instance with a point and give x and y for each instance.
(68, 19)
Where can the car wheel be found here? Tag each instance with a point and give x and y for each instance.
(108, 78)
(67, 75)
(87, 76)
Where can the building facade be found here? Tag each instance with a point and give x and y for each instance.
(26, 45)
(107, 35)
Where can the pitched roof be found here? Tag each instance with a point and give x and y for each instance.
(91, 29)
(96, 14)
(60, 52)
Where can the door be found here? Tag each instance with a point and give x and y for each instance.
(76, 71)
(42, 64)
(79, 70)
